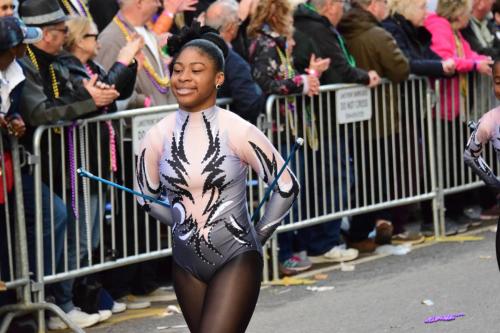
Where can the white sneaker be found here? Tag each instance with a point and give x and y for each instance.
(80, 318)
(118, 307)
(336, 254)
(133, 303)
(104, 315)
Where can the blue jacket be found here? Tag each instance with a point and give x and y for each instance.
(415, 44)
(248, 99)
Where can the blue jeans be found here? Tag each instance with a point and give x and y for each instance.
(62, 291)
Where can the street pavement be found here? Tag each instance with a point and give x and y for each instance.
(381, 295)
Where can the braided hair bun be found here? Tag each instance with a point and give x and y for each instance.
(204, 38)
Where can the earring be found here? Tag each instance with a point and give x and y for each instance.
(217, 86)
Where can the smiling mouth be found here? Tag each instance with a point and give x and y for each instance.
(184, 91)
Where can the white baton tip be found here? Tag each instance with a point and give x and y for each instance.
(79, 170)
(299, 141)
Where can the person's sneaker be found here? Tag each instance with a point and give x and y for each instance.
(383, 233)
(491, 213)
(473, 213)
(303, 257)
(104, 315)
(118, 307)
(408, 237)
(428, 229)
(365, 246)
(161, 294)
(294, 265)
(336, 254)
(78, 317)
(462, 222)
(133, 303)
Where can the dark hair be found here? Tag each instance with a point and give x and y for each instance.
(203, 38)
(496, 7)
(496, 62)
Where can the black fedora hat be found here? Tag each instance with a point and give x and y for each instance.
(40, 13)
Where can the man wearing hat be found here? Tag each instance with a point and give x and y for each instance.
(14, 36)
(51, 95)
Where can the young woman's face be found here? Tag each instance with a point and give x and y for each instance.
(496, 80)
(194, 80)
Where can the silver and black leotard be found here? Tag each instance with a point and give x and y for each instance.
(200, 160)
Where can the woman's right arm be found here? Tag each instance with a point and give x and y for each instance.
(147, 180)
(473, 153)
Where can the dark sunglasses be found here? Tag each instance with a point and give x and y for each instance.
(64, 30)
(5, 7)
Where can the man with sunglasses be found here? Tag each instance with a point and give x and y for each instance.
(51, 95)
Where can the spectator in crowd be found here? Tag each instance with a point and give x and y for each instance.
(317, 20)
(152, 87)
(83, 47)
(270, 30)
(405, 23)
(447, 41)
(241, 43)
(103, 11)
(248, 99)
(49, 96)
(480, 32)
(375, 49)
(495, 10)
(7, 8)
(13, 39)
(372, 47)
(169, 9)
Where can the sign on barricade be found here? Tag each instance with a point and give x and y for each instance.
(353, 105)
(141, 125)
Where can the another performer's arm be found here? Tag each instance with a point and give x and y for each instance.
(473, 153)
(260, 154)
(147, 180)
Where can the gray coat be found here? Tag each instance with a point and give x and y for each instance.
(113, 40)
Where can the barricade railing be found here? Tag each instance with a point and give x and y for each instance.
(365, 150)
(14, 262)
(84, 226)
(459, 100)
(355, 161)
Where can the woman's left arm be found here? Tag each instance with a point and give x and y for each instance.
(260, 154)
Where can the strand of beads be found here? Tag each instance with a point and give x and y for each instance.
(161, 84)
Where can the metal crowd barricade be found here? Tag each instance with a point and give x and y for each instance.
(354, 163)
(90, 227)
(14, 267)
(459, 100)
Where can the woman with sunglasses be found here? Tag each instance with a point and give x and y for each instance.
(82, 46)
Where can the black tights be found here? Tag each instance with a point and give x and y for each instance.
(226, 303)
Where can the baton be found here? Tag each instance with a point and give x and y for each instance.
(298, 143)
(84, 173)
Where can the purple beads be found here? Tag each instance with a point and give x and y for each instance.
(449, 317)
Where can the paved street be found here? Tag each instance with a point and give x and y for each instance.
(382, 295)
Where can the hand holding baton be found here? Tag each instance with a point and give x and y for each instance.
(298, 143)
